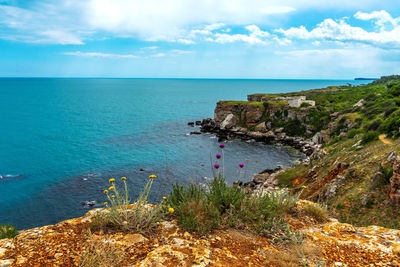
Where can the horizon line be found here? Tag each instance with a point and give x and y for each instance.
(180, 78)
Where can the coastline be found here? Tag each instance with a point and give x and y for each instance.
(266, 180)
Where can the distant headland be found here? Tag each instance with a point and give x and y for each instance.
(366, 79)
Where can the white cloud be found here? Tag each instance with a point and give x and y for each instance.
(173, 52)
(341, 31)
(180, 52)
(97, 54)
(382, 18)
(338, 62)
(255, 36)
(59, 37)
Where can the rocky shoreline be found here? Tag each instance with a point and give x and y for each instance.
(265, 181)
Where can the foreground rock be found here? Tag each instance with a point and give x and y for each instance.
(65, 243)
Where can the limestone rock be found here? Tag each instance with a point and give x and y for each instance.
(261, 127)
(229, 122)
(394, 192)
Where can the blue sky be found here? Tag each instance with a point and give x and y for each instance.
(303, 39)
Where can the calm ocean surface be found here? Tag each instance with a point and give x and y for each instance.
(61, 139)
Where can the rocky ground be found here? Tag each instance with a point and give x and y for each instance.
(326, 244)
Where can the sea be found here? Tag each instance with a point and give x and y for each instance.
(62, 139)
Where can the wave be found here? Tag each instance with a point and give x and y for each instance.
(8, 176)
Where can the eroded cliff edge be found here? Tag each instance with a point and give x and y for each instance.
(350, 134)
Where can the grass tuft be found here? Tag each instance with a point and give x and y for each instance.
(7, 231)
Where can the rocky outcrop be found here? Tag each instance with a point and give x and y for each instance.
(394, 192)
(332, 243)
(276, 136)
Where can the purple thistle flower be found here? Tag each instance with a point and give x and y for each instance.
(216, 166)
(218, 156)
(221, 145)
(241, 165)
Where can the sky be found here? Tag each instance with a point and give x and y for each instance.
(262, 39)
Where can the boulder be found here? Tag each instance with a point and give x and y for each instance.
(229, 122)
(394, 191)
(359, 103)
(261, 127)
(320, 138)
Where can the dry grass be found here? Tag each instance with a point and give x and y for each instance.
(296, 255)
(101, 254)
(318, 211)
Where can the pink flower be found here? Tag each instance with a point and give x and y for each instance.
(218, 156)
(221, 145)
(241, 165)
(216, 166)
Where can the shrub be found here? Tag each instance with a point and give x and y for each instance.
(7, 231)
(373, 126)
(192, 208)
(305, 105)
(120, 215)
(353, 132)
(294, 128)
(390, 110)
(369, 137)
(201, 210)
(394, 88)
(387, 173)
(318, 211)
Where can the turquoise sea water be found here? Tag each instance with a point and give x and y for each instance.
(61, 139)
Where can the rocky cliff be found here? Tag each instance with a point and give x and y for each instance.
(68, 243)
(269, 122)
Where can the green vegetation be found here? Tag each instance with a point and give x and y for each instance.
(201, 210)
(318, 211)
(305, 105)
(120, 215)
(369, 137)
(7, 231)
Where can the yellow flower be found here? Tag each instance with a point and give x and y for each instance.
(303, 186)
(110, 188)
(105, 191)
(10, 229)
(123, 178)
(278, 192)
(105, 203)
(112, 196)
(165, 198)
(125, 223)
(112, 180)
(171, 210)
(153, 176)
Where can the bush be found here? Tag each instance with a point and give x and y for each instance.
(305, 105)
(201, 210)
(318, 211)
(294, 128)
(387, 173)
(120, 215)
(369, 137)
(391, 125)
(394, 88)
(373, 126)
(7, 231)
(353, 132)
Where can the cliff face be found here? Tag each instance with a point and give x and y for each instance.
(264, 116)
(332, 243)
